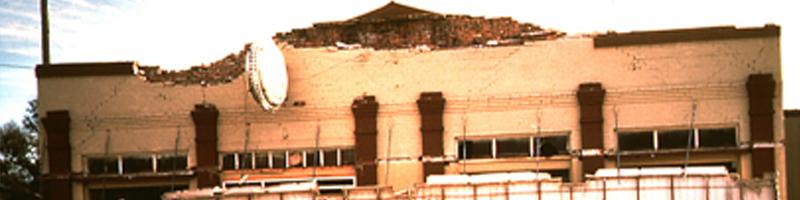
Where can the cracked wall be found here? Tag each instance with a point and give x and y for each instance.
(497, 90)
(434, 31)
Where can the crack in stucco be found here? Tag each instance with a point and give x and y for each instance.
(92, 120)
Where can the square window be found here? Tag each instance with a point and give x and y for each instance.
(675, 139)
(553, 145)
(348, 156)
(635, 141)
(278, 159)
(229, 161)
(331, 157)
(167, 163)
(475, 149)
(245, 161)
(722, 137)
(262, 160)
(136, 164)
(513, 147)
(312, 158)
(106, 165)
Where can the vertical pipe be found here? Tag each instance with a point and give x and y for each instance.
(316, 154)
(689, 139)
(616, 134)
(638, 189)
(672, 188)
(539, 188)
(740, 184)
(570, 191)
(174, 162)
(45, 33)
(604, 189)
(537, 140)
(464, 142)
(389, 151)
(506, 193)
(474, 192)
(708, 188)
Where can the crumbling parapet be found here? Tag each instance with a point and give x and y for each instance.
(221, 71)
(399, 26)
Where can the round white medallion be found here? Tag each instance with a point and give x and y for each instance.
(267, 72)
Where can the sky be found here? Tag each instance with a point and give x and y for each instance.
(176, 34)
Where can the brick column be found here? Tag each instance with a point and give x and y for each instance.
(365, 113)
(56, 184)
(431, 110)
(590, 100)
(760, 93)
(205, 117)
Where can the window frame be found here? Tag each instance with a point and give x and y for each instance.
(119, 164)
(305, 154)
(697, 143)
(532, 141)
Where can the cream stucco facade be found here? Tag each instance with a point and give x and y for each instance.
(528, 90)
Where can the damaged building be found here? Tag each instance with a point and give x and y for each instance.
(399, 26)
(384, 115)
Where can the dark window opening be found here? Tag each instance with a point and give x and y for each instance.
(730, 166)
(279, 159)
(243, 184)
(245, 161)
(513, 147)
(330, 157)
(559, 173)
(103, 165)
(635, 141)
(677, 139)
(553, 145)
(475, 149)
(331, 182)
(229, 161)
(262, 160)
(332, 192)
(348, 156)
(312, 159)
(723, 137)
(171, 163)
(133, 193)
(137, 164)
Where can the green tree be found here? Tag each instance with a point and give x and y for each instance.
(19, 158)
(31, 117)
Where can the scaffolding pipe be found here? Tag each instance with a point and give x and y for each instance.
(689, 139)
(388, 150)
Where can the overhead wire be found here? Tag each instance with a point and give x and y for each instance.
(456, 105)
(15, 66)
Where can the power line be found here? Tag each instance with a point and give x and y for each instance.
(14, 66)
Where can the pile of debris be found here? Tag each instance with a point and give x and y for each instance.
(399, 26)
(224, 70)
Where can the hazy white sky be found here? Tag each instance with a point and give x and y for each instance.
(180, 33)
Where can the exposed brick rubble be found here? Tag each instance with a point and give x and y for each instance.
(389, 27)
(224, 70)
(400, 26)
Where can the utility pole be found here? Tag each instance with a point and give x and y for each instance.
(45, 34)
